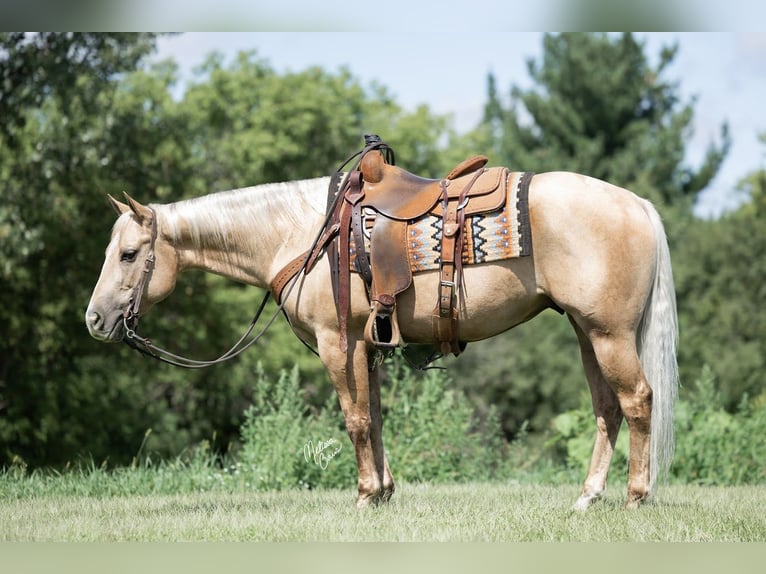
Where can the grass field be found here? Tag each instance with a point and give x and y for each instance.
(419, 512)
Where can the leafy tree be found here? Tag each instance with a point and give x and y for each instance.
(63, 394)
(721, 293)
(84, 116)
(34, 67)
(53, 93)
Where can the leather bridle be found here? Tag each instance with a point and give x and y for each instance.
(145, 346)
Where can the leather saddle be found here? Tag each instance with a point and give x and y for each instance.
(401, 195)
(398, 197)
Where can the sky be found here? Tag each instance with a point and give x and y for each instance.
(724, 71)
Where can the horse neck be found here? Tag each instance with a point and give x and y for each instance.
(246, 234)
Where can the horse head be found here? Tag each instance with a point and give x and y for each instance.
(140, 269)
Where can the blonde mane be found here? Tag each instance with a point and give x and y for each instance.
(229, 220)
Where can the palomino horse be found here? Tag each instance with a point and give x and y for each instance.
(599, 254)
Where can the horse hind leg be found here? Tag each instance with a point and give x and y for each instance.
(620, 367)
(606, 409)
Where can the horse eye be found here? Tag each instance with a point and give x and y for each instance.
(129, 255)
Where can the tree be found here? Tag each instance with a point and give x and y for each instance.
(721, 293)
(84, 116)
(36, 67)
(54, 89)
(599, 107)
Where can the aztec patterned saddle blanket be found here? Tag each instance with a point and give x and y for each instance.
(490, 236)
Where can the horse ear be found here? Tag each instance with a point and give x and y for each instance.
(141, 211)
(118, 206)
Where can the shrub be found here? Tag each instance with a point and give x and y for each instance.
(713, 446)
(431, 433)
(278, 435)
(716, 447)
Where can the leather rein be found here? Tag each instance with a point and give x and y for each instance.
(131, 315)
(145, 346)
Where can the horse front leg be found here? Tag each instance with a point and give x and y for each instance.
(358, 390)
(376, 436)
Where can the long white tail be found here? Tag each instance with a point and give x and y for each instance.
(657, 342)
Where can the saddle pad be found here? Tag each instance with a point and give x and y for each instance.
(493, 236)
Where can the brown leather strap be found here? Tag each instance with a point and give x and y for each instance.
(287, 272)
(132, 313)
(344, 277)
(352, 196)
(362, 260)
(321, 245)
(445, 316)
(445, 320)
(460, 240)
(294, 266)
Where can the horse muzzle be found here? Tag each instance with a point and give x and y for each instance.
(108, 328)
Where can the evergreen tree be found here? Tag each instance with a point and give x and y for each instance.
(600, 108)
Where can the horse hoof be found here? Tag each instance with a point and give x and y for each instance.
(376, 499)
(365, 502)
(636, 499)
(634, 504)
(386, 495)
(368, 500)
(586, 501)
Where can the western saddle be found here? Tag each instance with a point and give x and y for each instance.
(392, 197)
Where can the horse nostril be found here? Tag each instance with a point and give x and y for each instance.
(93, 319)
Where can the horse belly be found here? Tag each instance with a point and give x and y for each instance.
(498, 296)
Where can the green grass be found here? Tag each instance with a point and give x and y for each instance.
(418, 512)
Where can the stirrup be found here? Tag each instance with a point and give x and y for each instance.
(382, 328)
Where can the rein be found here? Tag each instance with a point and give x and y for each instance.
(145, 346)
(131, 315)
